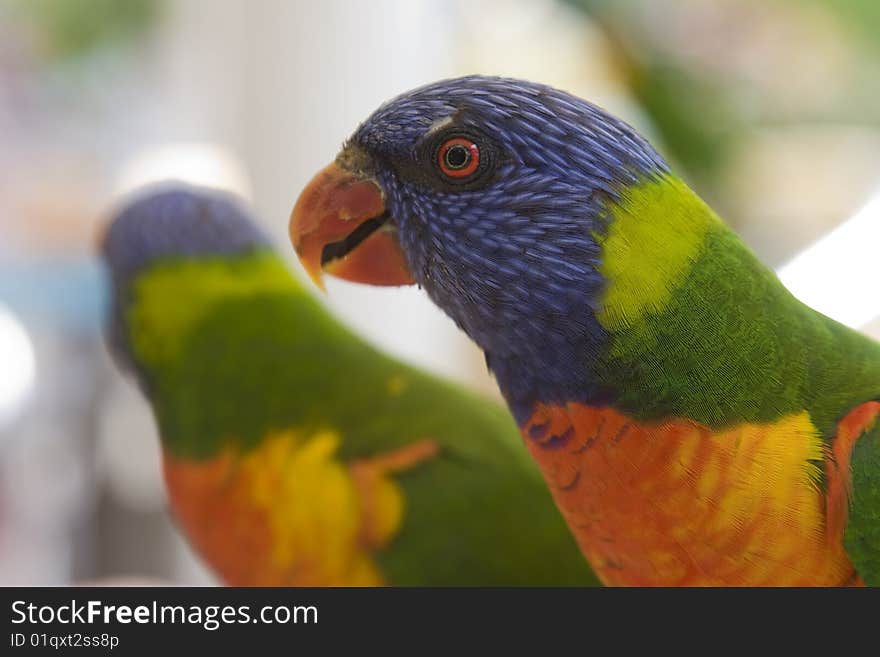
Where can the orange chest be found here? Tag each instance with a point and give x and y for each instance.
(289, 512)
(678, 504)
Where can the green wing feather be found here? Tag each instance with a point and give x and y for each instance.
(862, 536)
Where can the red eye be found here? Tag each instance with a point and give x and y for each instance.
(458, 157)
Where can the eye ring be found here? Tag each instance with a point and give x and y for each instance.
(458, 157)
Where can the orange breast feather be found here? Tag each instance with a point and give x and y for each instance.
(289, 512)
(675, 503)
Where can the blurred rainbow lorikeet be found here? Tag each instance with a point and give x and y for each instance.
(696, 424)
(294, 453)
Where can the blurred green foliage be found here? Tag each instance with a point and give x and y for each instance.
(71, 28)
(691, 114)
(863, 15)
(700, 116)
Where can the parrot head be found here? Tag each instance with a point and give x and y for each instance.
(169, 226)
(492, 194)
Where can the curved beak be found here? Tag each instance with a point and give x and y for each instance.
(339, 225)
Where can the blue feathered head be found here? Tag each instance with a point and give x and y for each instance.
(489, 193)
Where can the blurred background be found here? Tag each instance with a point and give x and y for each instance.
(769, 108)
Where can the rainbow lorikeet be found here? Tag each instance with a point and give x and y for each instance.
(696, 424)
(295, 454)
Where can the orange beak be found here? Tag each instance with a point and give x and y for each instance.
(339, 225)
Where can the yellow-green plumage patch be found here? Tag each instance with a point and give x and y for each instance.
(159, 329)
(653, 240)
(716, 338)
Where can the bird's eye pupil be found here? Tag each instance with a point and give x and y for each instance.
(457, 157)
